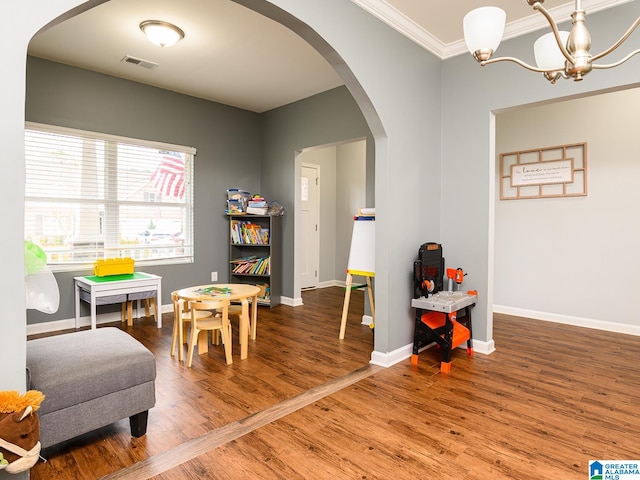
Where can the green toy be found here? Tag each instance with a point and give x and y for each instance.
(40, 283)
(34, 257)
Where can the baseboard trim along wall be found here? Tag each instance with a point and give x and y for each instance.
(569, 320)
(70, 323)
(291, 302)
(391, 358)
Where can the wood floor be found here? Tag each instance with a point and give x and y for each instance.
(306, 405)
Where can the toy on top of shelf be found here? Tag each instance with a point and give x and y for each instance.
(237, 201)
(275, 209)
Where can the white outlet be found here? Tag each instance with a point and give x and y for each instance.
(214, 276)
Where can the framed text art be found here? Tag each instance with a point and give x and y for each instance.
(559, 171)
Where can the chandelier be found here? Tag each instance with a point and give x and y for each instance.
(558, 54)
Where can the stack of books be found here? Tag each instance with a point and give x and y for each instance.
(257, 206)
(248, 233)
(251, 265)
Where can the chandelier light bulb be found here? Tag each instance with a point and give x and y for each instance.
(547, 53)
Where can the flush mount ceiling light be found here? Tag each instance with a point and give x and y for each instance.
(160, 33)
(558, 54)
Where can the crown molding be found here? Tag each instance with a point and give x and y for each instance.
(407, 27)
(403, 24)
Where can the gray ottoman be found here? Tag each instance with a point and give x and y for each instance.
(91, 379)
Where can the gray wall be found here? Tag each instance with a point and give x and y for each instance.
(335, 118)
(223, 136)
(351, 195)
(470, 94)
(598, 233)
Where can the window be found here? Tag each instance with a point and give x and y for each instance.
(90, 196)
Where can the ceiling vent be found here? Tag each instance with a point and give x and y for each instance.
(140, 62)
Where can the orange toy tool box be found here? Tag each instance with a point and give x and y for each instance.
(437, 321)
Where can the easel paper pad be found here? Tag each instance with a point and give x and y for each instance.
(362, 253)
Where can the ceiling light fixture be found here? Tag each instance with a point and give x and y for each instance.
(558, 54)
(160, 33)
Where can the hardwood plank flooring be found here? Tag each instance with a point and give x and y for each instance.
(296, 349)
(550, 398)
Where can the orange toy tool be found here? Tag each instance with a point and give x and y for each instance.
(451, 274)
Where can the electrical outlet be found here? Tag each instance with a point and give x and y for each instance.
(214, 276)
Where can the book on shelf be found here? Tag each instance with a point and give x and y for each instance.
(257, 210)
(247, 233)
(251, 265)
(246, 259)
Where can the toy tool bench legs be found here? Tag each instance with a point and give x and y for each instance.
(447, 329)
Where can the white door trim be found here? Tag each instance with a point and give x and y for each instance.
(314, 251)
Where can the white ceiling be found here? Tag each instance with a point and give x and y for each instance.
(235, 56)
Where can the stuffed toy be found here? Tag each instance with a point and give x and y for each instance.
(19, 430)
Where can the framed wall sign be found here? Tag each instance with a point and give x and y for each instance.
(545, 172)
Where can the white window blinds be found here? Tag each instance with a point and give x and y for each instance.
(90, 196)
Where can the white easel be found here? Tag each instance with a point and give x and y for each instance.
(361, 262)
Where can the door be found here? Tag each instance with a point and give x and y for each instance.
(310, 229)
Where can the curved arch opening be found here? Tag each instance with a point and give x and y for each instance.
(326, 51)
(351, 82)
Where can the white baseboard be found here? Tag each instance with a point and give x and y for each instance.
(70, 323)
(391, 358)
(569, 320)
(402, 353)
(486, 348)
(297, 302)
(291, 302)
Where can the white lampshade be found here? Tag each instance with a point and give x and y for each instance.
(484, 28)
(161, 33)
(547, 53)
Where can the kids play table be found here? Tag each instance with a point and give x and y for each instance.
(115, 289)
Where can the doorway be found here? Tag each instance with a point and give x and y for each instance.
(341, 191)
(309, 219)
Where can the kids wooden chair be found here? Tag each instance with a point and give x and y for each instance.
(182, 317)
(218, 323)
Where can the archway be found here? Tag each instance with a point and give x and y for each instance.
(395, 83)
(331, 134)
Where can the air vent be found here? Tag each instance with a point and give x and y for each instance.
(140, 62)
